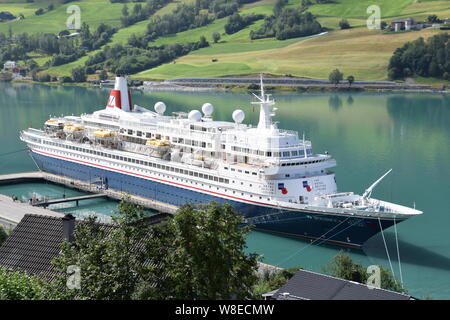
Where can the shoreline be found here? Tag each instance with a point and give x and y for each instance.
(249, 85)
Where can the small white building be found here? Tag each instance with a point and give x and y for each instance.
(9, 65)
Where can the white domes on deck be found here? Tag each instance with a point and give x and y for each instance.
(195, 116)
(160, 108)
(238, 116)
(208, 109)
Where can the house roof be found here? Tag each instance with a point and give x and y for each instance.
(308, 285)
(403, 20)
(36, 240)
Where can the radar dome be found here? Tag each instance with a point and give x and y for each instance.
(238, 116)
(160, 107)
(208, 109)
(195, 115)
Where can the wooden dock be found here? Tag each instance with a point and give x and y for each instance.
(45, 203)
(92, 188)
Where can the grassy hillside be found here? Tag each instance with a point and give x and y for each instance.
(93, 12)
(361, 52)
(358, 51)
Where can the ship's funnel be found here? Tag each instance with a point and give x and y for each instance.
(120, 97)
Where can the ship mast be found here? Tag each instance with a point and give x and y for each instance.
(265, 114)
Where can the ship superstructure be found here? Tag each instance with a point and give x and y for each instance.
(271, 176)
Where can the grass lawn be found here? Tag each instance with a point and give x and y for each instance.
(93, 13)
(361, 52)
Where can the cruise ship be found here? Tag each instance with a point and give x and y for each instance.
(270, 176)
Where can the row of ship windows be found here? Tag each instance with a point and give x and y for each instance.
(301, 163)
(196, 174)
(141, 162)
(276, 154)
(240, 171)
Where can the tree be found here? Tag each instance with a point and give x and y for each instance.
(272, 280)
(433, 19)
(335, 77)
(344, 24)
(3, 235)
(201, 253)
(350, 80)
(39, 11)
(216, 37)
(342, 266)
(103, 75)
(110, 264)
(125, 11)
(20, 286)
(79, 74)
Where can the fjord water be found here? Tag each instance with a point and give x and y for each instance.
(367, 133)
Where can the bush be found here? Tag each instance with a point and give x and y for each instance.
(44, 77)
(343, 24)
(79, 74)
(39, 11)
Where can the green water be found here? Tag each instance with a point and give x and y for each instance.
(367, 134)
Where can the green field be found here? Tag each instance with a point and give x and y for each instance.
(93, 13)
(358, 51)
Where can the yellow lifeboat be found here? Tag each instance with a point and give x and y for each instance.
(104, 133)
(157, 143)
(73, 128)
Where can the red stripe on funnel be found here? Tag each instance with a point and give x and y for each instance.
(114, 100)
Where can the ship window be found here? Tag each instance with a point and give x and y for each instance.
(254, 173)
(148, 135)
(139, 133)
(203, 144)
(286, 154)
(276, 154)
(294, 153)
(247, 172)
(269, 154)
(130, 131)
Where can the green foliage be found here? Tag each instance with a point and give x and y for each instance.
(429, 58)
(342, 266)
(3, 235)
(103, 75)
(20, 286)
(216, 37)
(344, 24)
(272, 280)
(126, 60)
(39, 11)
(79, 74)
(110, 263)
(335, 77)
(350, 80)
(288, 24)
(201, 253)
(198, 254)
(236, 22)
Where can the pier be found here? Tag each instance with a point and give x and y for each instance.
(92, 188)
(45, 203)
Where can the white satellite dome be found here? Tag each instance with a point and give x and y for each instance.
(238, 116)
(195, 115)
(160, 107)
(208, 109)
